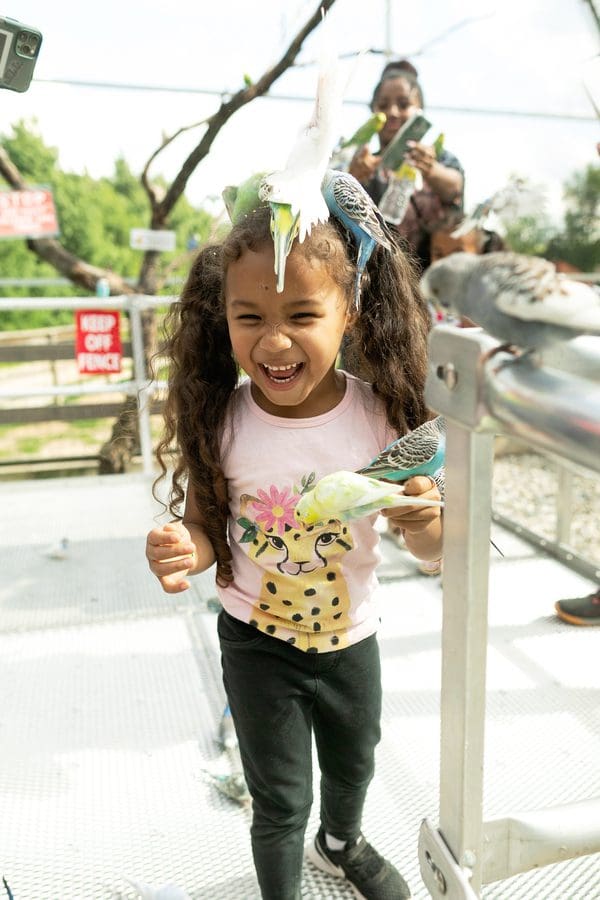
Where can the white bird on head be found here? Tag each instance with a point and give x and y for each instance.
(294, 192)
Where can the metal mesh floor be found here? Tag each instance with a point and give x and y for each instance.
(110, 699)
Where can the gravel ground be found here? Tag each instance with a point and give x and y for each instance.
(525, 490)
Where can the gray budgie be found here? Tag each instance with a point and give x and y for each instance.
(420, 452)
(520, 300)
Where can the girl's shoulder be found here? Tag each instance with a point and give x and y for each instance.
(367, 404)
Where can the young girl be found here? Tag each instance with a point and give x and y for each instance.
(297, 630)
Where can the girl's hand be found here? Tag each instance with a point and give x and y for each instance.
(415, 519)
(363, 165)
(171, 554)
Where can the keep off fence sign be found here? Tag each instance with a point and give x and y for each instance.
(98, 341)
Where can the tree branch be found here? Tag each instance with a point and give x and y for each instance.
(226, 111)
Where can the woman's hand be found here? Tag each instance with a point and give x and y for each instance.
(421, 157)
(171, 553)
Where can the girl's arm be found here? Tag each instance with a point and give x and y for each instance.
(422, 526)
(179, 549)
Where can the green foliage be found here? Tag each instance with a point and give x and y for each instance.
(95, 218)
(579, 242)
(529, 235)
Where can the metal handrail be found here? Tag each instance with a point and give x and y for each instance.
(483, 391)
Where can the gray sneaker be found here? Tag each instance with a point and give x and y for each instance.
(370, 875)
(580, 610)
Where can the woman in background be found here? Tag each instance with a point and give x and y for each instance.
(399, 95)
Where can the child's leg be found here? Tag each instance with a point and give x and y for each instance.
(268, 686)
(346, 720)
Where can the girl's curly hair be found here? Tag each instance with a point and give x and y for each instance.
(387, 346)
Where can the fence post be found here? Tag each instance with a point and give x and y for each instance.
(144, 393)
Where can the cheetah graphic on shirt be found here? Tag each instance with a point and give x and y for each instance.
(303, 595)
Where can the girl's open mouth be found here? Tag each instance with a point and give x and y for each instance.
(282, 374)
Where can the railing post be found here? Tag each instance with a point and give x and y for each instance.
(144, 394)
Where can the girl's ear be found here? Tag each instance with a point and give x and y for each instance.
(351, 317)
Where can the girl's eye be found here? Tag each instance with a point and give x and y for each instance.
(303, 315)
(248, 317)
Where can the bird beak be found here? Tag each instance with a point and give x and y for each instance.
(284, 228)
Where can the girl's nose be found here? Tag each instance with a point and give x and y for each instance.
(273, 338)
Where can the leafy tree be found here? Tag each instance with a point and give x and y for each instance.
(84, 270)
(529, 235)
(579, 242)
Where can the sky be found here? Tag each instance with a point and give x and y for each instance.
(503, 56)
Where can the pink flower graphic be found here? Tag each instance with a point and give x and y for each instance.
(276, 508)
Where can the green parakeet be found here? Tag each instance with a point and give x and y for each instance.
(243, 198)
(348, 495)
(365, 132)
(438, 145)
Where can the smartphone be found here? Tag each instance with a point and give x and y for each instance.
(413, 130)
(19, 49)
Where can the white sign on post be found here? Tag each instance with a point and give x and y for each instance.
(148, 239)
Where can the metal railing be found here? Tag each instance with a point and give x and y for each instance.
(139, 387)
(483, 391)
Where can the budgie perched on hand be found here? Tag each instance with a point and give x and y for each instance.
(366, 131)
(520, 300)
(349, 495)
(294, 193)
(348, 201)
(420, 452)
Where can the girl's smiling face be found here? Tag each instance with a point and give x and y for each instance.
(287, 343)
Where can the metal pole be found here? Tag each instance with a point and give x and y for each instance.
(467, 517)
(144, 391)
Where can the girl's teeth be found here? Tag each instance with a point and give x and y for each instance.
(278, 373)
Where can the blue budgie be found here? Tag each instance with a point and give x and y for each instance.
(420, 452)
(348, 201)
(348, 495)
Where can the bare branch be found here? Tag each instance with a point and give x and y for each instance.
(148, 187)
(231, 106)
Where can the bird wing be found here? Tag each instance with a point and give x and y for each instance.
(530, 289)
(354, 201)
(413, 450)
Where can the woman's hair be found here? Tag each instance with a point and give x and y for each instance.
(400, 68)
(388, 342)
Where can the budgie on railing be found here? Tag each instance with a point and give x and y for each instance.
(521, 300)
